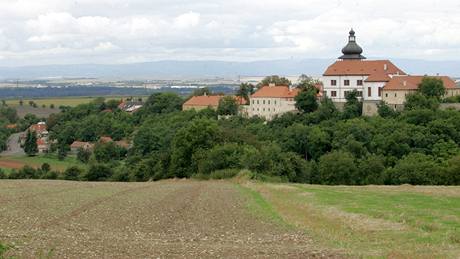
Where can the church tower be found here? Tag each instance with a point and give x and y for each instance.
(352, 51)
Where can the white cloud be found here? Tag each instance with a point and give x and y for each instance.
(110, 31)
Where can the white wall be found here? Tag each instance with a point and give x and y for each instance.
(340, 88)
(268, 108)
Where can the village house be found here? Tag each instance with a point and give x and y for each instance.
(270, 101)
(130, 106)
(77, 145)
(41, 132)
(207, 101)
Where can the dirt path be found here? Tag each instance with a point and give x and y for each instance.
(186, 219)
(13, 146)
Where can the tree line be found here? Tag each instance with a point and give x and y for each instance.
(319, 145)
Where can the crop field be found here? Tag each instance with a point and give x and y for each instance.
(62, 101)
(188, 218)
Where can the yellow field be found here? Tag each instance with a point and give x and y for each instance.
(62, 101)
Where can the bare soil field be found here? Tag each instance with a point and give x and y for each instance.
(167, 219)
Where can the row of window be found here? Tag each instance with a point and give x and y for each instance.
(360, 93)
(346, 82)
(263, 102)
(263, 109)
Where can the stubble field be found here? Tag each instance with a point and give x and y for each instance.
(186, 218)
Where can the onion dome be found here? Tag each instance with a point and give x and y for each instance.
(352, 50)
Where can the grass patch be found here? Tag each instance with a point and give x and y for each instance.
(37, 161)
(258, 206)
(370, 222)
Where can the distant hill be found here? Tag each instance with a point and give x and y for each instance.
(202, 69)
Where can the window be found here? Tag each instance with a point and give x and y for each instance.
(359, 94)
(333, 93)
(333, 82)
(253, 102)
(369, 92)
(386, 95)
(263, 109)
(325, 93)
(359, 82)
(346, 82)
(263, 101)
(257, 101)
(380, 91)
(275, 102)
(268, 102)
(395, 95)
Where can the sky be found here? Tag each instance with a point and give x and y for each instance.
(42, 32)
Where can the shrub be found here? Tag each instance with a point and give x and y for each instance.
(3, 174)
(121, 174)
(50, 175)
(83, 155)
(72, 173)
(337, 167)
(98, 172)
(416, 169)
(224, 174)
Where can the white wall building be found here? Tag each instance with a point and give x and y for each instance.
(353, 72)
(270, 101)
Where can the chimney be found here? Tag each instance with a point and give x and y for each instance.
(271, 84)
(385, 67)
(405, 83)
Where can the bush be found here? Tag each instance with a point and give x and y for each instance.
(337, 167)
(72, 173)
(121, 174)
(415, 169)
(224, 174)
(50, 175)
(3, 174)
(83, 155)
(98, 172)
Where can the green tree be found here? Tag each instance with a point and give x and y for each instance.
(306, 100)
(245, 91)
(228, 105)
(308, 83)
(83, 155)
(353, 107)
(385, 111)
(202, 91)
(199, 134)
(277, 80)
(98, 172)
(432, 87)
(30, 145)
(420, 101)
(73, 173)
(337, 167)
(416, 169)
(162, 103)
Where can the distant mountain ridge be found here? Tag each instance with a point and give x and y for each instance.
(199, 69)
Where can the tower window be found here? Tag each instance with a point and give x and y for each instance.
(369, 92)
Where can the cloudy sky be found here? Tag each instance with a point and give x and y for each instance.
(124, 31)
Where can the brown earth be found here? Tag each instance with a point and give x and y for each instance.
(168, 219)
(11, 164)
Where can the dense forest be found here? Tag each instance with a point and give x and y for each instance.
(319, 145)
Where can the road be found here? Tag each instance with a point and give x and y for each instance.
(13, 146)
(167, 219)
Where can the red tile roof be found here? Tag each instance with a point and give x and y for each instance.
(378, 77)
(79, 144)
(275, 92)
(39, 128)
(205, 100)
(362, 67)
(412, 82)
(41, 142)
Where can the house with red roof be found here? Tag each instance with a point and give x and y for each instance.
(398, 87)
(271, 101)
(207, 101)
